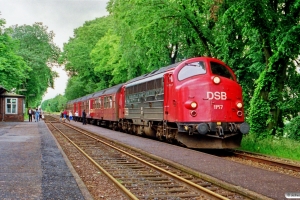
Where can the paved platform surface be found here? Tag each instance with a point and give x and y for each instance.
(33, 167)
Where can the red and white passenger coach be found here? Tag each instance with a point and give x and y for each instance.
(196, 103)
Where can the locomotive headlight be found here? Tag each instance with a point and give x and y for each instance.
(193, 105)
(216, 79)
(239, 105)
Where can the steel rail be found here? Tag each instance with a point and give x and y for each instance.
(125, 190)
(155, 167)
(266, 161)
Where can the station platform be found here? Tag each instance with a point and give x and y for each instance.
(32, 165)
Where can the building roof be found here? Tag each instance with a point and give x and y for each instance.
(7, 94)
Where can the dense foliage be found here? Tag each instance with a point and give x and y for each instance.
(76, 54)
(13, 69)
(36, 47)
(258, 39)
(57, 104)
(292, 129)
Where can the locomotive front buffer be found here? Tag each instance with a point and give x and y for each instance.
(215, 129)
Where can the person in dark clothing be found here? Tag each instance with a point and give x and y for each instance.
(62, 116)
(30, 113)
(83, 117)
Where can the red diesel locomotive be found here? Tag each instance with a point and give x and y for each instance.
(196, 103)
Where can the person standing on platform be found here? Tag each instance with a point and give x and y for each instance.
(84, 117)
(70, 115)
(65, 114)
(37, 115)
(30, 112)
(76, 116)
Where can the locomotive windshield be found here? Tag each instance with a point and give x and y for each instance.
(192, 69)
(220, 70)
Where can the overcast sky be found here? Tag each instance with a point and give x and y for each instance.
(61, 17)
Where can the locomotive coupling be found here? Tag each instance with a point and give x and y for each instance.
(220, 131)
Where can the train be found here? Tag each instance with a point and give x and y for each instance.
(196, 103)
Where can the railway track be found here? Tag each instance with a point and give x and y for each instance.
(265, 160)
(138, 176)
(291, 168)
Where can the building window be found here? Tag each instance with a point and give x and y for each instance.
(11, 106)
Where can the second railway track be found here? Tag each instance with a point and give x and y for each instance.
(266, 160)
(138, 176)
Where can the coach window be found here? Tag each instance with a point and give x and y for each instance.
(107, 102)
(191, 69)
(114, 101)
(11, 106)
(101, 102)
(220, 70)
(110, 102)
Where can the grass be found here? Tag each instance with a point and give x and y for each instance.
(283, 148)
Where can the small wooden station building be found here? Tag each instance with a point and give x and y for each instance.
(12, 106)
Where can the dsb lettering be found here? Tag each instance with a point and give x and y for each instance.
(216, 95)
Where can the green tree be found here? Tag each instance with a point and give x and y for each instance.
(266, 32)
(13, 69)
(46, 106)
(161, 32)
(105, 59)
(75, 88)
(39, 52)
(76, 53)
(55, 104)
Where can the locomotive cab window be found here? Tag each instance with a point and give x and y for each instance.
(191, 69)
(220, 70)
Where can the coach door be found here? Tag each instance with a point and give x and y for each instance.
(169, 111)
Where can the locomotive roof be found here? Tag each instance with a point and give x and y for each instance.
(152, 75)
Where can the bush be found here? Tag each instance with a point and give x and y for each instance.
(292, 129)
